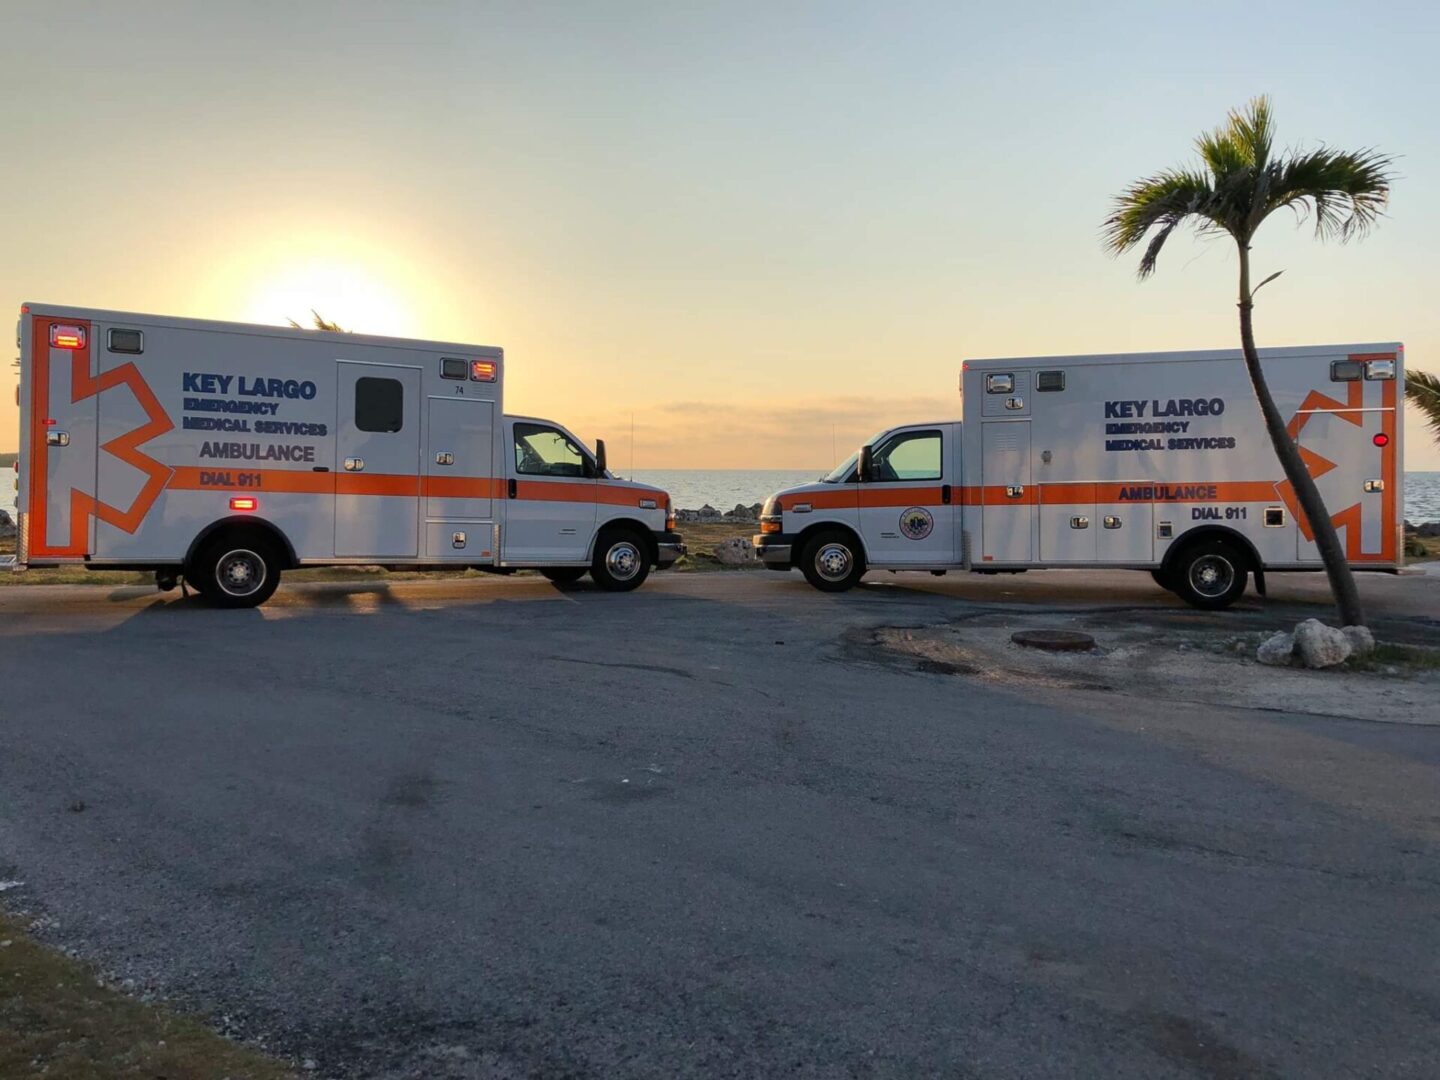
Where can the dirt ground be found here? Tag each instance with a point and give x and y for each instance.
(1143, 658)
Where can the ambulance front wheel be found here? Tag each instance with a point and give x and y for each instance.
(832, 562)
(1210, 574)
(236, 572)
(621, 562)
(564, 575)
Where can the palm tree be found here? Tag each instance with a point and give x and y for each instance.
(1423, 391)
(1239, 183)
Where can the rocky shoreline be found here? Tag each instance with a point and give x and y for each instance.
(708, 515)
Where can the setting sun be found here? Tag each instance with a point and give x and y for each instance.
(349, 293)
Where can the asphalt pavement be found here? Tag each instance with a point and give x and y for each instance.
(500, 829)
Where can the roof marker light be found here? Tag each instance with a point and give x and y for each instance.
(1381, 439)
(482, 370)
(244, 502)
(67, 337)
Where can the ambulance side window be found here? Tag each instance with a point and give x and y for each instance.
(911, 455)
(546, 451)
(379, 404)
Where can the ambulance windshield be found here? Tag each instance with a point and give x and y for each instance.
(843, 472)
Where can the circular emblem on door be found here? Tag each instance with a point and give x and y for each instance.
(916, 523)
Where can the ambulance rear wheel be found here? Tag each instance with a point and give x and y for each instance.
(832, 562)
(1164, 580)
(621, 562)
(1210, 574)
(564, 575)
(238, 572)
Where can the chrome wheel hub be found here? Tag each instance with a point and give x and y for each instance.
(833, 562)
(1212, 575)
(240, 573)
(623, 561)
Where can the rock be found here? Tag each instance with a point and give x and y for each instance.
(736, 551)
(1278, 650)
(1362, 641)
(1430, 530)
(7, 526)
(1320, 646)
(740, 513)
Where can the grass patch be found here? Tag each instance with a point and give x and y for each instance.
(56, 1020)
(1422, 548)
(1396, 659)
(702, 540)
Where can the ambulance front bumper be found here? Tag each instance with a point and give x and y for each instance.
(669, 546)
(774, 550)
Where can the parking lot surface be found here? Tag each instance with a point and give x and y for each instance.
(494, 828)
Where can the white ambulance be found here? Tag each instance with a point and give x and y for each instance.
(1156, 461)
(229, 453)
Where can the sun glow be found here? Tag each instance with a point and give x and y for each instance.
(348, 292)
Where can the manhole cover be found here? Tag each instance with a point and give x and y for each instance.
(1054, 640)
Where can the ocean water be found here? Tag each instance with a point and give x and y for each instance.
(724, 489)
(691, 489)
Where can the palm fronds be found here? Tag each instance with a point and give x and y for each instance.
(1240, 182)
(321, 323)
(1346, 191)
(1423, 391)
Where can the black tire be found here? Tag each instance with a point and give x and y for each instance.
(564, 575)
(1210, 574)
(621, 562)
(236, 571)
(1164, 580)
(832, 560)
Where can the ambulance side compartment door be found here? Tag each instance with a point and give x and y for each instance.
(1007, 496)
(63, 430)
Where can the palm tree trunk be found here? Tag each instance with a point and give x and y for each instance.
(1342, 581)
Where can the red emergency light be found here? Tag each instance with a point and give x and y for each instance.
(244, 502)
(67, 337)
(1381, 439)
(482, 370)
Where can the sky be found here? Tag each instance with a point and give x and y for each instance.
(756, 232)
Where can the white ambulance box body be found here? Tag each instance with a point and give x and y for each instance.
(1128, 460)
(142, 437)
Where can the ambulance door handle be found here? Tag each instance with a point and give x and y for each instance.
(354, 464)
(945, 494)
(57, 438)
(512, 487)
(1015, 491)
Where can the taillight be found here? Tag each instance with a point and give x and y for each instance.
(67, 337)
(244, 502)
(1381, 439)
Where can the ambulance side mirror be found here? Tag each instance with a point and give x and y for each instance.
(866, 466)
(600, 458)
